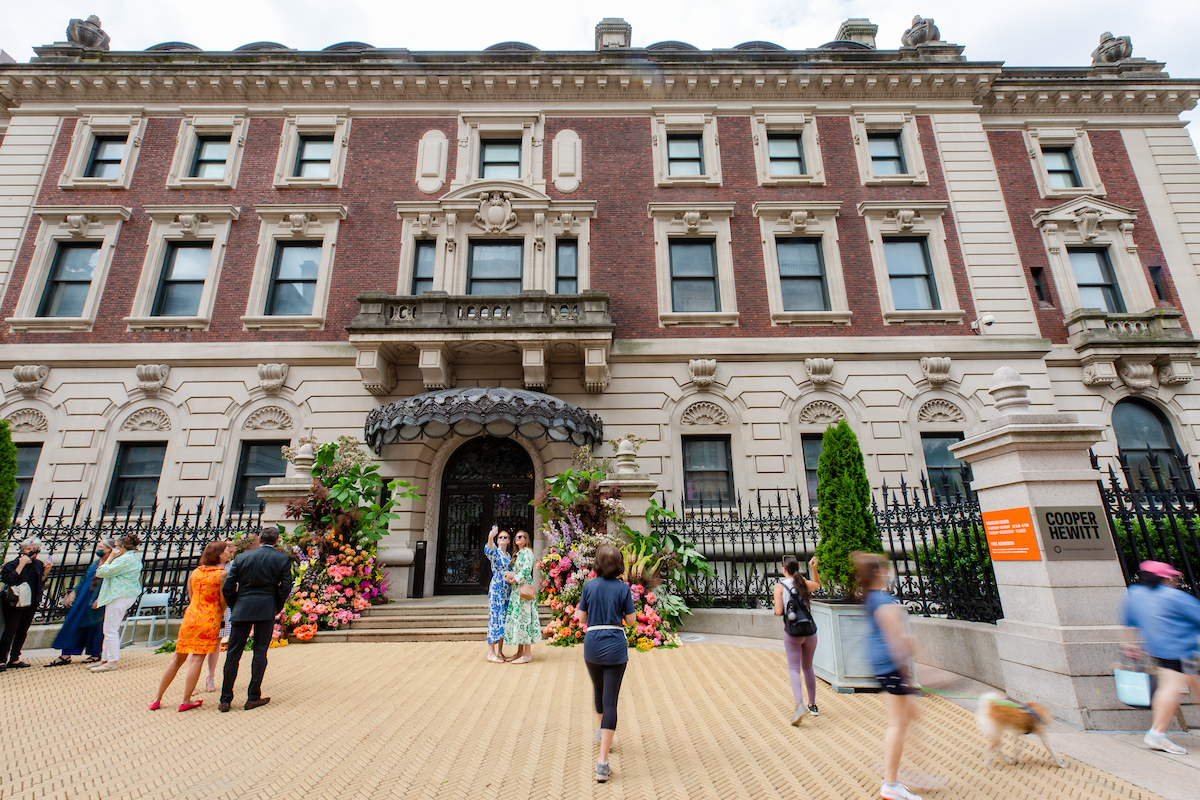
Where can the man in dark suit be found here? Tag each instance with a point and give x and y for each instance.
(256, 586)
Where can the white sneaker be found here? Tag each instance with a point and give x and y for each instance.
(105, 668)
(798, 716)
(1161, 742)
(897, 792)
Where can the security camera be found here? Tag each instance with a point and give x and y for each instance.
(986, 321)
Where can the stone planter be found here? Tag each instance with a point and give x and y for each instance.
(840, 658)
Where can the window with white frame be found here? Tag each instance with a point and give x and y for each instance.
(707, 471)
(312, 152)
(1060, 168)
(184, 255)
(888, 147)
(208, 152)
(290, 286)
(1063, 163)
(70, 264)
(500, 147)
(802, 282)
(495, 267)
(104, 151)
(686, 149)
(786, 148)
(1095, 280)
(694, 263)
(912, 266)
(500, 159)
(803, 265)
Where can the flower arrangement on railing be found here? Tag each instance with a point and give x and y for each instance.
(336, 540)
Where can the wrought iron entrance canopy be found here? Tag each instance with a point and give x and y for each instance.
(500, 412)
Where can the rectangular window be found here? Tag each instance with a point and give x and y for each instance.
(184, 270)
(313, 157)
(685, 155)
(694, 275)
(943, 469)
(70, 280)
(293, 279)
(105, 160)
(1060, 167)
(500, 158)
(1094, 277)
(810, 445)
(494, 268)
(422, 280)
(707, 471)
(211, 154)
(910, 274)
(566, 266)
(135, 477)
(887, 154)
(260, 462)
(786, 155)
(802, 275)
(1039, 284)
(27, 461)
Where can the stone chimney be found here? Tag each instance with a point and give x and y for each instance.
(861, 31)
(613, 32)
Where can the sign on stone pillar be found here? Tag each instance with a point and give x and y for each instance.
(1057, 572)
(636, 487)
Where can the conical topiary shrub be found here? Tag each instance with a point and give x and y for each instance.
(844, 509)
(8, 479)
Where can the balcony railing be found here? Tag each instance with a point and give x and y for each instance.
(432, 311)
(1090, 326)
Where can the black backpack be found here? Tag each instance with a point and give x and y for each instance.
(797, 620)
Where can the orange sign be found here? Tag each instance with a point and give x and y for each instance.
(1010, 535)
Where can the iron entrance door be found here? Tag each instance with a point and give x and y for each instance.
(487, 482)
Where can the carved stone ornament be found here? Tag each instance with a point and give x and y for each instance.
(936, 369)
(940, 411)
(703, 372)
(189, 224)
(1137, 375)
(704, 413)
(79, 224)
(905, 218)
(297, 223)
(1087, 220)
(691, 220)
(821, 412)
(1010, 391)
(1112, 49)
(147, 419)
(87, 33)
(820, 370)
(30, 377)
(495, 213)
(798, 220)
(152, 377)
(271, 418)
(27, 420)
(271, 377)
(922, 31)
(1100, 373)
(1174, 373)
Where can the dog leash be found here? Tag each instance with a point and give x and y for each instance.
(1004, 702)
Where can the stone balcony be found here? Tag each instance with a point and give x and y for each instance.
(435, 331)
(1132, 347)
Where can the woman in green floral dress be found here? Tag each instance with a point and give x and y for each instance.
(522, 628)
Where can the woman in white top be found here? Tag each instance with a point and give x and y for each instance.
(799, 649)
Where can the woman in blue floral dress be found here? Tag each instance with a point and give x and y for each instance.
(496, 551)
(522, 627)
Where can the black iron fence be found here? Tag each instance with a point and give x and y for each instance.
(933, 535)
(172, 540)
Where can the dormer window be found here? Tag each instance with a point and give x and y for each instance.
(500, 159)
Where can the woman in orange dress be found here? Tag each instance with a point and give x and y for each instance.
(201, 624)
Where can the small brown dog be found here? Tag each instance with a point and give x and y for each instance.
(997, 714)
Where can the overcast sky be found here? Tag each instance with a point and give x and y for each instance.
(1018, 32)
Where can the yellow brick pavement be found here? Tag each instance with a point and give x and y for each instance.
(434, 720)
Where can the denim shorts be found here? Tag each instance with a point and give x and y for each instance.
(893, 683)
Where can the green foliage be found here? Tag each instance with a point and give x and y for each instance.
(959, 565)
(680, 559)
(8, 479)
(570, 486)
(166, 647)
(844, 503)
(672, 608)
(1156, 540)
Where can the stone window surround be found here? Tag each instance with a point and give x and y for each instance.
(206, 123)
(300, 223)
(180, 224)
(912, 219)
(312, 122)
(106, 462)
(732, 429)
(87, 128)
(700, 221)
(811, 220)
(64, 225)
(682, 120)
(865, 121)
(764, 123)
(1064, 134)
(529, 127)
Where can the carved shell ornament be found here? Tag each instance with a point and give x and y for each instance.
(271, 418)
(27, 420)
(495, 213)
(705, 413)
(940, 411)
(821, 412)
(147, 419)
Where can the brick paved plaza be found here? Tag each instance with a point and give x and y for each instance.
(435, 720)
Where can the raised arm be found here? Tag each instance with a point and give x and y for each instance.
(815, 583)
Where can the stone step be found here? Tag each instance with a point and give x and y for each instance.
(374, 622)
(405, 610)
(404, 635)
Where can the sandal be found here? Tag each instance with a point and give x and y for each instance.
(91, 659)
(17, 664)
(58, 662)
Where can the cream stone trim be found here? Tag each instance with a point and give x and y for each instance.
(330, 124)
(694, 221)
(876, 120)
(474, 127)
(1059, 133)
(914, 219)
(180, 224)
(567, 161)
(86, 130)
(190, 130)
(813, 220)
(672, 120)
(764, 122)
(1098, 224)
(432, 152)
(63, 224)
(303, 223)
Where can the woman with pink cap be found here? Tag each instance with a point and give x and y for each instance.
(1166, 620)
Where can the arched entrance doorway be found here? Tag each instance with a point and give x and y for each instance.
(1146, 441)
(488, 481)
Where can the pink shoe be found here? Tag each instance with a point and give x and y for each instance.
(154, 704)
(190, 706)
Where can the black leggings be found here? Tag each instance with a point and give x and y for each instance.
(606, 681)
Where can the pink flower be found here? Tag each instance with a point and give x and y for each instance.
(295, 618)
(312, 617)
(321, 609)
(307, 606)
(657, 641)
(650, 598)
(349, 593)
(592, 574)
(565, 564)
